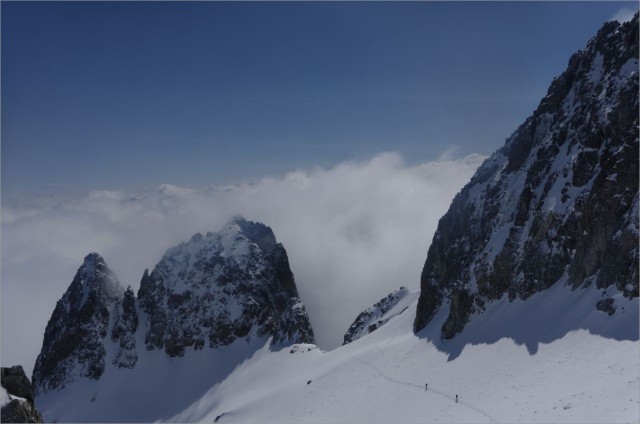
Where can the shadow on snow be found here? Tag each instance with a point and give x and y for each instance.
(542, 318)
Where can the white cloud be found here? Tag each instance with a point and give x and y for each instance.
(624, 15)
(353, 233)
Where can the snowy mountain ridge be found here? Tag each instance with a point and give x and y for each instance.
(558, 202)
(528, 310)
(226, 288)
(379, 314)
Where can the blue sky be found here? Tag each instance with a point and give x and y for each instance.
(126, 95)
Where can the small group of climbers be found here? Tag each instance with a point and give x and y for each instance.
(426, 387)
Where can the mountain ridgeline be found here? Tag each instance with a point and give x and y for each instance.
(379, 314)
(215, 289)
(557, 203)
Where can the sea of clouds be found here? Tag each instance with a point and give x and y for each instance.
(353, 233)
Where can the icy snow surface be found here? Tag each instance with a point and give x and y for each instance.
(158, 387)
(552, 358)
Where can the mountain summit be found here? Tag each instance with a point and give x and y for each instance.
(559, 202)
(222, 286)
(73, 340)
(216, 298)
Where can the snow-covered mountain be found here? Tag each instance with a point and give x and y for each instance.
(528, 310)
(73, 345)
(559, 202)
(219, 287)
(224, 293)
(543, 241)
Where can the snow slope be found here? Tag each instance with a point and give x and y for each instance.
(552, 358)
(156, 388)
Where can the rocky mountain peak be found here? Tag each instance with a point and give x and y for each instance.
(208, 292)
(73, 342)
(256, 232)
(96, 277)
(93, 283)
(557, 203)
(222, 286)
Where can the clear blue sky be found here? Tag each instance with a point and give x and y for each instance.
(125, 95)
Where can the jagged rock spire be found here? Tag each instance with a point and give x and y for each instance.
(205, 293)
(186, 295)
(73, 340)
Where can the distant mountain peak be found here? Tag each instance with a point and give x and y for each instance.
(208, 292)
(95, 275)
(73, 342)
(243, 264)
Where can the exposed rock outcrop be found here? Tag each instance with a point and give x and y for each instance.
(17, 404)
(123, 331)
(222, 286)
(379, 314)
(203, 294)
(73, 345)
(559, 202)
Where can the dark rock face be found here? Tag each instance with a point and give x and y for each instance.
(124, 330)
(458, 313)
(376, 316)
(606, 306)
(559, 202)
(16, 383)
(220, 287)
(205, 293)
(73, 340)
(18, 411)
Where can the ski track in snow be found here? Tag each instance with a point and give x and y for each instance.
(406, 383)
(383, 351)
(359, 381)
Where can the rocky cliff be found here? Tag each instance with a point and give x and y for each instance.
(17, 397)
(219, 287)
(73, 345)
(559, 202)
(211, 291)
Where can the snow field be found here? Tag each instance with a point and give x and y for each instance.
(549, 359)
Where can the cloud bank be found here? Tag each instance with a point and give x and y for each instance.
(624, 15)
(353, 233)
